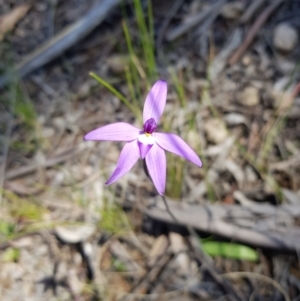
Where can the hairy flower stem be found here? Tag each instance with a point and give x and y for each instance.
(168, 209)
(190, 229)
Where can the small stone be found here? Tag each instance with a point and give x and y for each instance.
(246, 60)
(59, 123)
(235, 119)
(215, 131)
(48, 132)
(232, 10)
(285, 37)
(249, 97)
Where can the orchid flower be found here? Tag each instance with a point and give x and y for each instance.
(146, 143)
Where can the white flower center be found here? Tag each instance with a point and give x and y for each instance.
(146, 139)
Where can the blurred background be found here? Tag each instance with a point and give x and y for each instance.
(230, 230)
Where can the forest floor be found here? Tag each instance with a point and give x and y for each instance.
(227, 231)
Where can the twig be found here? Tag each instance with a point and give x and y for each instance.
(219, 61)
(164, 26)
(261, 278)
(193, 233)
(251, 9)
(168, 209)
(166, 22)
(145, 285)
(48, 163)
(63, 41)
(192, 22)
(253, 30)
(203, 29)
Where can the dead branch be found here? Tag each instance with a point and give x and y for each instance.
(259, 225)
(192, 22)
(63, 41)
(219, 62)
(253, 30)
(61, 157)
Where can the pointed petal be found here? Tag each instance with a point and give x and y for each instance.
(155, 101)
(144, 149)
(156, 164)
(128, 157)
(120, 131)
(176, 145)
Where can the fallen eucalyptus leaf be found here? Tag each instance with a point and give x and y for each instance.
(75, 234)
(229, 250)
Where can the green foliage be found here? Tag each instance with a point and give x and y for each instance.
(132, 75)
(7, 229)
(134, 71)
(113, 219)
(28, 211)
(114, 91)
(23, 209)
(179, 88)
(11, 255)
(146, 36)
(279, 122)
(24, 109)
(118, 265)
(29, 136)
(28, 147)
(229, 250)
(175, 168)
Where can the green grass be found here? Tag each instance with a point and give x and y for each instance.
(11, 255)
(115, 92)
(140, 74)
(113, 219)
(24, 109)
(146, 37)
(7, 229)
(23, 209)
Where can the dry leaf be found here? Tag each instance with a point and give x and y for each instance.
(9, 21)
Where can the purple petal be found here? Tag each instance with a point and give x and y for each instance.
(156, 164)
(144, 149)
(120, 131)
(176, 145)
(128, 157)
(155, 101)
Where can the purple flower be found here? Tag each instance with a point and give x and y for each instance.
(146, 143)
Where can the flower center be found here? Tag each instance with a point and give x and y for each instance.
(149, 127)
